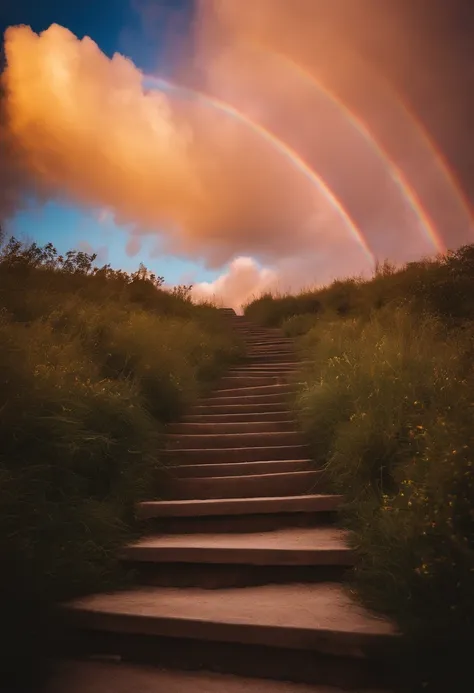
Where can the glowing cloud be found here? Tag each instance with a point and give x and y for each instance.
(210, 187)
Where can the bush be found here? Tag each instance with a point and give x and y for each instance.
(92, 364)
(442, 286)
(388, 409)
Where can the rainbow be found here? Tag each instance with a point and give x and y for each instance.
(396, 173)
(437, 155)
(290, 154)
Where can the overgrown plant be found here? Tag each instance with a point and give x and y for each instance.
(93, 362)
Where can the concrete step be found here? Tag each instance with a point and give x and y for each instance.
(279, 395)
(252, 417)
(182, 471)
(261, 342)
(314, 503)
(261, 372)
(228, 427)
(273, 357)
(255, 406)
(303, 547)
(274, 365)
(249, 391)
(216, 561)
(246, 380)
(267, 368)
(312, 633)
(208, 441)
(269, 349)
(247, 454)
(120, 677)
(278, 484)
(254, 515)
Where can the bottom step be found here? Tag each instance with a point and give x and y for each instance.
(304, 633)
(101, 677)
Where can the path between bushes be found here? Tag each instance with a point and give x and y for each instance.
(240, 571)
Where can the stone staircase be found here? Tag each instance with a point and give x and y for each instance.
(240, 571)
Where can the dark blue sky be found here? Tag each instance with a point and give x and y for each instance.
(115, 25)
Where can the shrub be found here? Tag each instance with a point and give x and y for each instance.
(92, 364)
(388, 409)
(443, 286)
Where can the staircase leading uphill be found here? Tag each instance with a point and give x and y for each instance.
(241, 570)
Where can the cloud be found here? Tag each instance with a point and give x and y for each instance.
(243, 279)
(91, 134)
(277, 173)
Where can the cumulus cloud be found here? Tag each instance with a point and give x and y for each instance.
(243, 280)
(90, 132)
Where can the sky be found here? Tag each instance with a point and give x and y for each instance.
(292, 143)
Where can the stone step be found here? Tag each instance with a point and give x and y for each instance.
(269, 349)
(209, 441)
(312, 633)
(228, 427)
(314, 503)
(306, 547)
(249, 391)
(252, 417)
(246, 380)
(278, 397)
(267, 368)
(255, 406)
(120, 677)
(247, 454)
(273, 357)
(239, 469)
(261, 372)
(246, 486)
(217, 560)
(260, 342)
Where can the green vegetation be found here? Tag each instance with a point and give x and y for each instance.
(388, 406)
(93, 362)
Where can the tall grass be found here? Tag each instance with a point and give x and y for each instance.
(441, 286)
(388, 407)
(92, 364)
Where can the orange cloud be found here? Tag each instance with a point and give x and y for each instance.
(206, 181)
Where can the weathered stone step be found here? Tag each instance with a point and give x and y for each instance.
(314, 503)
(208, 441)
(239, 469)
(256, 417)
(306, 546)
(246, 486)
(248, 454)
(120, 677)
(273, 389)
(320, 622)
(227, 427)
(255, 406)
